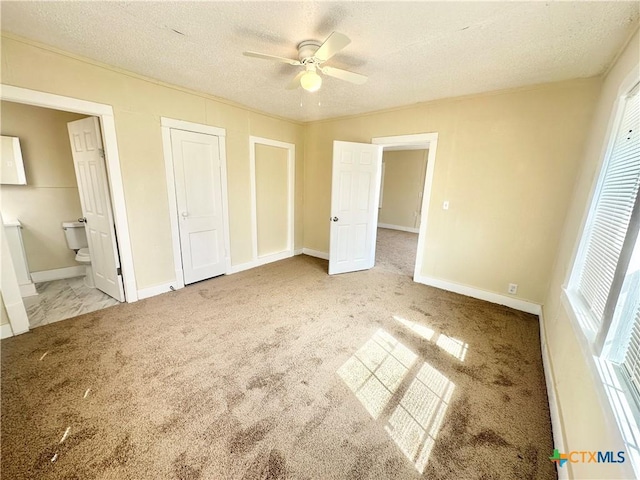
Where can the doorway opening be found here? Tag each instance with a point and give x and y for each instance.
(399, 208)
(57, 193)
(58, 247)
(355, 200)
(419, 154)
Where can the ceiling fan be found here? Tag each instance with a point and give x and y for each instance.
(311, 55)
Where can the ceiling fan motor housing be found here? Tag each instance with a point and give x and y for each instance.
(307, 49)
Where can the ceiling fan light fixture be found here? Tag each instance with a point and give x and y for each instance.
(312, 55)
(311, 81)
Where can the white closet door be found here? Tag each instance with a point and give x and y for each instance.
(196, 163)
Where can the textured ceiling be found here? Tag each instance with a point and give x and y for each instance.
(411, 51)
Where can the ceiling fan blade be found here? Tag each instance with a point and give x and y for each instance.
(295, 82)
(271, 57)
(331, 46)
(344, 75)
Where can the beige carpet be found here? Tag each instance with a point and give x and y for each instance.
(280, 372)
(396, 251)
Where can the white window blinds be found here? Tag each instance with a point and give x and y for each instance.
(609, 221)
(632, 358)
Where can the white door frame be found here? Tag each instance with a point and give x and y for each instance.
(166, 125)
(427, 141)
(112, 161)
(10, 291)
(291, 174)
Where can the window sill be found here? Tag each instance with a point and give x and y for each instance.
(581, 321)
(613, 389)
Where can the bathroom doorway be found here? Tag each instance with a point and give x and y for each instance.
(60, 283)
(47, 209)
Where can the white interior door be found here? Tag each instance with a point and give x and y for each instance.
(91, 173)
(355, 193)
(197, 170)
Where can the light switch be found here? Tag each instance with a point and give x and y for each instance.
(445, 205)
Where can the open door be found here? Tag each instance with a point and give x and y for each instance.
(354, 206)
(91, 173)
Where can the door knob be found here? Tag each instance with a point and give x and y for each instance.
(185, 214)
(82, 220)
(334, 219)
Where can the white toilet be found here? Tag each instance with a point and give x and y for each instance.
(76, 237)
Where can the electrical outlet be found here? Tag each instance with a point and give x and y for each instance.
(513, 288)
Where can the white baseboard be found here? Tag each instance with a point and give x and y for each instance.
(28, 290)
(157, 290)
(5, 331)
(58, 274)
(315, 253)
(554, 408)
(261, 261)
(298, 251)
(515, 303)
(398, 227)
(241, 267)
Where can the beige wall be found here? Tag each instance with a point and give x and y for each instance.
(506, 161)
(271, 199)
(586, 418)
(404, 172)
(51, 194)
(138, 104)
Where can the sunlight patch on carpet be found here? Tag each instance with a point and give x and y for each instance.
(421, 330)
(452, 346)
(377, 371)
(416, 421)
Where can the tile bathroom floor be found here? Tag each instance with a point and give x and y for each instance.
(62, 299)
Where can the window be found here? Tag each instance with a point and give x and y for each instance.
(607, 229)
(626, 317)
(604, 288)
(609, 239)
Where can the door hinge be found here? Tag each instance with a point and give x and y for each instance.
(119, 271)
